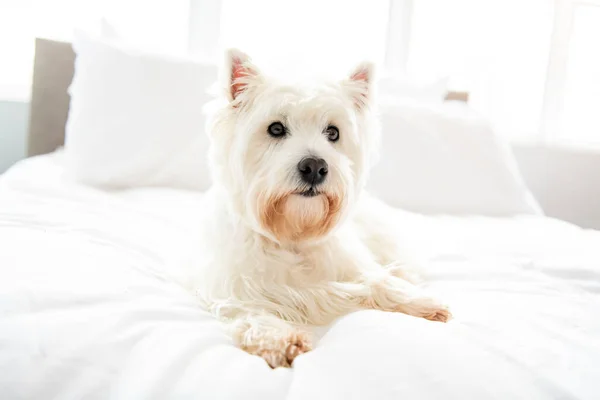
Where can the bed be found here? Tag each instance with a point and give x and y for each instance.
(92, 305)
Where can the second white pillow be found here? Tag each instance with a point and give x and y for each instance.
(446, 159)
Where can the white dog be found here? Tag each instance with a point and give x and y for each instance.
(287, 244)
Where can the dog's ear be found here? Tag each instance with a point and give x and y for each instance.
(239, 73)
(360, 84)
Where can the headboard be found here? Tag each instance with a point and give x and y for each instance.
(52, 75)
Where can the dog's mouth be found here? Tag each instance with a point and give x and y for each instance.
(310, 192)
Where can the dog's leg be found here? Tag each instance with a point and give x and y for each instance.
(371, 289)
(276, 341)
(378, 290)
(390, 293)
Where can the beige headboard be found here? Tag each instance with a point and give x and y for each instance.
(52, 75)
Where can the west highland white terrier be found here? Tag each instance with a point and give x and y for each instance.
(291, 241)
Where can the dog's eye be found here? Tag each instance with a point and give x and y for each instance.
(276, 129)
(333, 133)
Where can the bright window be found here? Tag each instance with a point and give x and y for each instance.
(531, 66)
(161, 24)
(495, 50)
(331, 31)
(20, 22)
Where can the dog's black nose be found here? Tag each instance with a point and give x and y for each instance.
(312, 170)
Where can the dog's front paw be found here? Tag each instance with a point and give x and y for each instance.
(441, 314)
(282, 351)
(428, 308)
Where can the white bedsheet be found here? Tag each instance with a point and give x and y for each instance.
(89, 308)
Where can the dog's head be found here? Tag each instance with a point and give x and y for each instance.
(292, 159)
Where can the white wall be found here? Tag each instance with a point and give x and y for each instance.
(14, 119)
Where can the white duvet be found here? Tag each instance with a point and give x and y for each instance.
(90, 307)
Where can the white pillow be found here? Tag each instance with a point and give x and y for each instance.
(136, 118)
(444, 158)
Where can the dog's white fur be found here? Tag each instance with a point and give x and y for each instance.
(278, 260)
